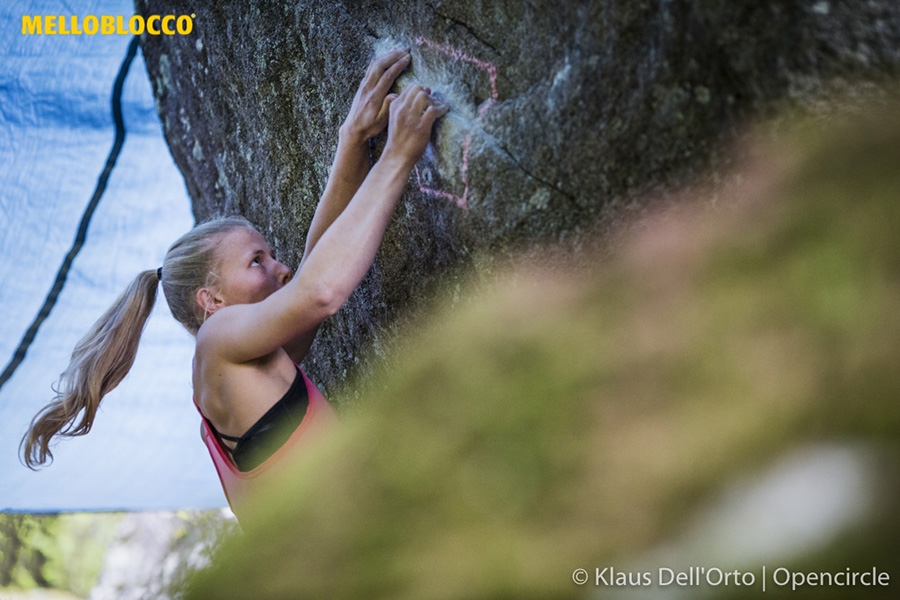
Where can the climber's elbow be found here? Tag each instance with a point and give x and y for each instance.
(327, 299)
(316, 297)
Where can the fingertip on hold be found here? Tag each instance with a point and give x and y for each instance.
(439, 109)
(438, 100)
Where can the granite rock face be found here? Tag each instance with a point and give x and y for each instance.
(564, 114)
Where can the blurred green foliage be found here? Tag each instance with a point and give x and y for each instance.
(59, 551)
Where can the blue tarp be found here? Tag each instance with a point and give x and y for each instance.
(56, 132)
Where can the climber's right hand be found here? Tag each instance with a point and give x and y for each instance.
(412, 115)
(369, 111)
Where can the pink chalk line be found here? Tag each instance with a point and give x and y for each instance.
(459, 55)
(491, 70)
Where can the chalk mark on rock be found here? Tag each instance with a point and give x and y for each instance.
(491, 70)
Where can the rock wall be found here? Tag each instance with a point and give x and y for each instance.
(564, 113)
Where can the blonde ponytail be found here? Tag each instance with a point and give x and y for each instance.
(100, 361)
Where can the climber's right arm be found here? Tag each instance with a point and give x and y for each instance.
(343, 254)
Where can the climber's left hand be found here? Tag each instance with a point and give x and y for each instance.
(369, 112)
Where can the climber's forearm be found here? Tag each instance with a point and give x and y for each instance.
(368, 116)
(347, 248)
(349, 170)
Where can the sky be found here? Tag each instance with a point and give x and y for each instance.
(56, 132)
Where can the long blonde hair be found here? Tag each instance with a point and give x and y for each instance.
(103, 357)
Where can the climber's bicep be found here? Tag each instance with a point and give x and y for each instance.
(288, 318)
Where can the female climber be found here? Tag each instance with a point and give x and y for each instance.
(253, 319)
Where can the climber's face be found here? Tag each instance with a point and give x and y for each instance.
(247, 270)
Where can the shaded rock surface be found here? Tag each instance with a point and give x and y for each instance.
(563, 115)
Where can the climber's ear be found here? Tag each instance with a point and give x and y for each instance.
(209, 300)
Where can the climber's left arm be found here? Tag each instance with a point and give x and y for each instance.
(367, 118)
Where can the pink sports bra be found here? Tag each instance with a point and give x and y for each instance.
(237, 484)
